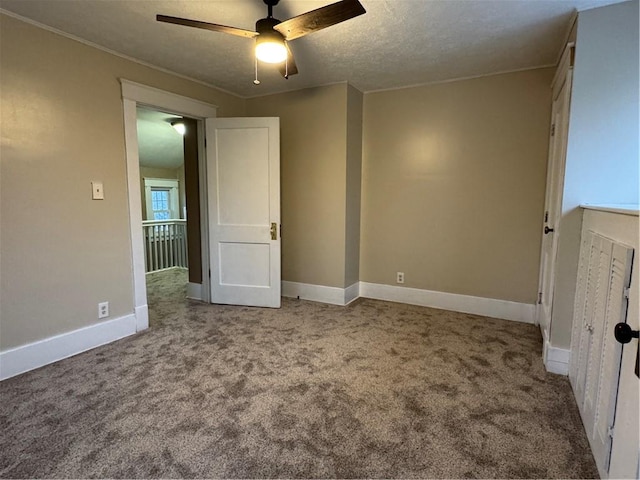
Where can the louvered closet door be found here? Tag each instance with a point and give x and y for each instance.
(603, 416)
(580, 306)
(592, 259)
(604, 272)
(596, 328)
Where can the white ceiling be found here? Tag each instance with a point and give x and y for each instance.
(397, 43)
(159, 144)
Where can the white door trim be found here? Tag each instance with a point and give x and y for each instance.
(167, 101)
(133, 94)
(554, 186)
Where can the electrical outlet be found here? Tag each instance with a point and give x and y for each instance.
(400, 277)
(103, 310)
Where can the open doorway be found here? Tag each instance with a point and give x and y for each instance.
(136, 95)
(169, 189)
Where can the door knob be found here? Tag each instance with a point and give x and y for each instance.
(547, 230)
(623, 333)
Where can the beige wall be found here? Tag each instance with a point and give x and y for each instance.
(313, 130)
(62, 127)
(453, 185)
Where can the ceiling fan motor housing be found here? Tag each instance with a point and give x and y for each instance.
(265, 26)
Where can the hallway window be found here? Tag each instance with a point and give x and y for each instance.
(161, 198)
(160, 201)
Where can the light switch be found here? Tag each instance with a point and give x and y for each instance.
(97, 191)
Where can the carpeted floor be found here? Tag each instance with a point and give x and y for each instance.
(374, 390)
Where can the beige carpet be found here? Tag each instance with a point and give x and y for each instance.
(372, 390)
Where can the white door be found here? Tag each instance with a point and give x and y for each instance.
(243, 180)
(555, 185)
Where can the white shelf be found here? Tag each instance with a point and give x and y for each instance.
(624, 209)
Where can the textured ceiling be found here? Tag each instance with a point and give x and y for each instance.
(159, 144)
(397, 43)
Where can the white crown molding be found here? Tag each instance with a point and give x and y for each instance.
(459, 79)
(113, 52)
(300, 89)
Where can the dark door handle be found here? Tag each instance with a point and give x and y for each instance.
(547, 230)
(623, 333)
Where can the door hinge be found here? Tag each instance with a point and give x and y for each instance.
(209, 274)
(539, 298)
(626, 292)
(610, 431)
(205, 143)
(553, 129)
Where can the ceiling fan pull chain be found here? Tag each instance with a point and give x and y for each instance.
(286, 68)
(256, 81)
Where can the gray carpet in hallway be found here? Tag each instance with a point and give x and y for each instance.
(375, 389)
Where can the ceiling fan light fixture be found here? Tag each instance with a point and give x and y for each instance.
(270, 47)
(271, 51)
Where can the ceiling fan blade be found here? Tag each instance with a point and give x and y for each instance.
(207, 26)
(320, 18)
(289, 68)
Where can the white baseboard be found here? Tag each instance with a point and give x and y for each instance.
(556, 360)
(142, 317)
(43, 352)
(321, 293)
(194, 291)
(351, 293)
(519, 312)
(489, 307)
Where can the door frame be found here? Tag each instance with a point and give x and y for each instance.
(134, 94)
(555, 166)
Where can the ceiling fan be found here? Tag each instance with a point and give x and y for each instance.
(272, 35)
